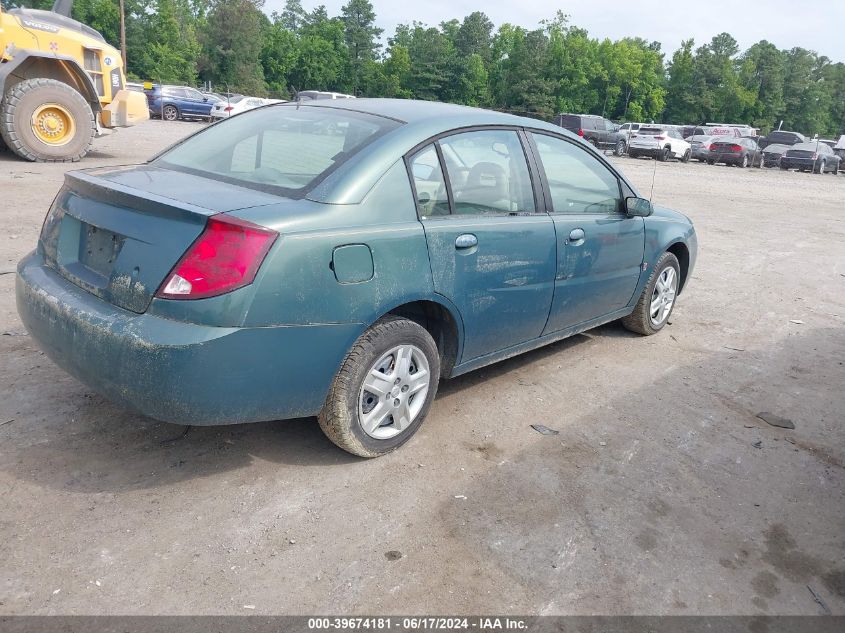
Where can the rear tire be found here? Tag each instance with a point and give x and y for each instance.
(664, 155)
(685, 158)
(641, 320)
(44, 120)
(345, 412)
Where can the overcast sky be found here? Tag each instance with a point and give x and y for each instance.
(819, 26)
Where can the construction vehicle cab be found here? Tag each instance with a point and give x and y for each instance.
(61, 84)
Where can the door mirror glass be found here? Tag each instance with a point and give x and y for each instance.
(638, 207)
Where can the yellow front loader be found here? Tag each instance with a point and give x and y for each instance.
(61, 84)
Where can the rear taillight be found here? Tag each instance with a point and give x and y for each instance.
(735, 148)
(660, 138)
(815, 156)
(226, 256)
(708, 147)
(228, 109)
(580, 132)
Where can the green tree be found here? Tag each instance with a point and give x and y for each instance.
(232, 46)
(474, 36)
(763, 73)
(361, 36)
(279, 55)
(293, 17)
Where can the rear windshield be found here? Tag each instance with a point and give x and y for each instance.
(650, 131)
(281, 149)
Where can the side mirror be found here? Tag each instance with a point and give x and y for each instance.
(638, 207)
(205, 98)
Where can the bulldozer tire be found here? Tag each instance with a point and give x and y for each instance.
(44, 120)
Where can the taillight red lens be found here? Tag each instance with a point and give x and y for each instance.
(226, 256)
(580, 132)
(660, 138)
(735, 148)
(228, 109)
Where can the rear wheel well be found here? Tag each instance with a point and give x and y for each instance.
(440, 323)
(680, 250)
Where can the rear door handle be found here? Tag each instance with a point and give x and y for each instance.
(467, 240)
(576, 235)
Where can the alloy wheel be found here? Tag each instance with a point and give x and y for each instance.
(663, 296)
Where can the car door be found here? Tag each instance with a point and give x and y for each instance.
(609, 135)
(599, 248)
(491, 248)
(197, 103)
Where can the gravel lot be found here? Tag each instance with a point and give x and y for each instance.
(653, 498)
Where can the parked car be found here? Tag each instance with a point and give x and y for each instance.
(700, 145)
(660, 142)
(172, 103)
(694, 130)
(732, 129)
(742, 152)
(627, 128)
(816, 157)
(782, 137)
(236, 105)
(306, 95)
(772, 154)
(596, 130)
(256, 272)
(839, 148)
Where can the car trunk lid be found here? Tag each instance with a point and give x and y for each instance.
(117, 233)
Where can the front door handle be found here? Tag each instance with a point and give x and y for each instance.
(467, 240)
(576, 235)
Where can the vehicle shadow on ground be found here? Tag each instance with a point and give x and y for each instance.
(101, 447)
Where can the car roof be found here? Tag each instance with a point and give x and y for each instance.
(414, 111)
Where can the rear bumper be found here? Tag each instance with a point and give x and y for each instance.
(701, 154)
(728, 158)
(797, 163)
(175, 371)
(645, 151)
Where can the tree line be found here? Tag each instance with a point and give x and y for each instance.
(556, 67)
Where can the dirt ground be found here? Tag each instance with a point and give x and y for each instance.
(662, 494)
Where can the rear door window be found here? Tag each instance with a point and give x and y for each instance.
(488, 172)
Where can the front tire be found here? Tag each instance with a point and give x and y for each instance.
(744, 162)
(45, 120)
(383, 390)
(655, 305)
(619, 149)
